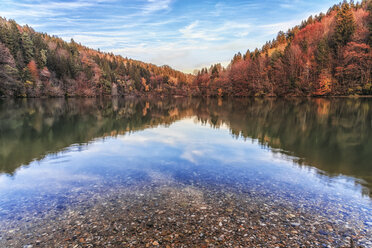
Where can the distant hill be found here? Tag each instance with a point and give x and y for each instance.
(34, 64)
(327, 55)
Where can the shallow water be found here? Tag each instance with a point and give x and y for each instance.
(81, 172)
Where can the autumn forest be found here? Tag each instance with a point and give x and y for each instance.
(326, 55)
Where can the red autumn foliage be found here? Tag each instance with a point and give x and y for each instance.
(315, 58)
(329, 54)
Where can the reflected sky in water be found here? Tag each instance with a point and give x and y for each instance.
(186, 152)
(121, 144)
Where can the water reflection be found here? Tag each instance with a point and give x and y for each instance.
(332, 135)
(75, 169)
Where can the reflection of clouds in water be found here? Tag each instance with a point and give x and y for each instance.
(192, 155)
(193, 141)
(183, 131)
(44, 176)
(150, 153)
(158, 135)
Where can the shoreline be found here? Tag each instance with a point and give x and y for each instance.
(181, 96)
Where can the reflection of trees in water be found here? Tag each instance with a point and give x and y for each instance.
(333, 135)
(31, 128)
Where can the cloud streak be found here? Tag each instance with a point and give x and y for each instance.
(156, 5)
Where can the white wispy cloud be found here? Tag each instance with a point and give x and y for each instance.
(156, 5)
(193, 31)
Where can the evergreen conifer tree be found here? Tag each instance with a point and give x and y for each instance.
(345, 25)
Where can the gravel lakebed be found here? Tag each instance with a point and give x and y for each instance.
(168, 213)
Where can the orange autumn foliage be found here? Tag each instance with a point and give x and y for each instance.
(32, 67)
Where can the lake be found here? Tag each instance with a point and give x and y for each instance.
(186, 172)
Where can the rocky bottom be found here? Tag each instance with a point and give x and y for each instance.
(169, 214)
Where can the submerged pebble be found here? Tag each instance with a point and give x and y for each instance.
(170, 214)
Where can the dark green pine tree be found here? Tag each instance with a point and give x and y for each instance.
(4, 35)
(41, 58)
(322, 54)
(14, 38)
(28, 47)
(345, 25)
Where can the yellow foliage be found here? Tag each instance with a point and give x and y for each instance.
(28, 83)
(325, 83)
(280, 48)
(143, 81)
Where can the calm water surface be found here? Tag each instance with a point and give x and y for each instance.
(312, 157)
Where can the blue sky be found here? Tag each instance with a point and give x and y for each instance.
(185, 34)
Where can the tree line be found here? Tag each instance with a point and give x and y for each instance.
(35, 64)
(328, 54)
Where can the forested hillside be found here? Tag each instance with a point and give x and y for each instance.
(34, 64)
(329, 54)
